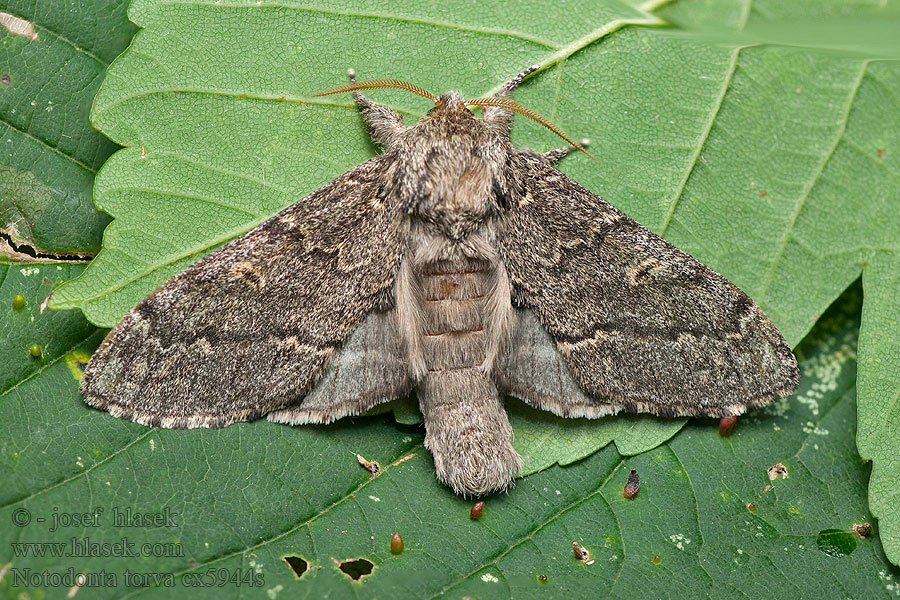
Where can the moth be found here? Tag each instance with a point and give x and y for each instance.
(455, 265)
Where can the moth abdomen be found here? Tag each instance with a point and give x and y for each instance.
(467, 429)
(468, 432)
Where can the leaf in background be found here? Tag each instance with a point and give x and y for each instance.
(242, 498)
(54, 332)
(49, 153)
(774, 164)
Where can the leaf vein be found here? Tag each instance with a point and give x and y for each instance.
(804, 196)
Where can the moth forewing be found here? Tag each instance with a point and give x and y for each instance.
(455, 264)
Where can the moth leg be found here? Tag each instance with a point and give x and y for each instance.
(502, 118)
(554, 156)
(383, 123)
(510, 86)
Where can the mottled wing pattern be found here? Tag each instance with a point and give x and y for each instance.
(250, 328)
(641, 325)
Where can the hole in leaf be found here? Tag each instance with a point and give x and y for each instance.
(298, 565)
(836, 542)
(356, 568)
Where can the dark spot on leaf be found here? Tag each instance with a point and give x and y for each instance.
(542, 578)
(633, 485)
(356, 568)
(751, 507)
(81, 365)
(477, 510)
(763, 194)
(880, 152)
(298, 565)
(836, 542)
(657, 560)
(6, 79)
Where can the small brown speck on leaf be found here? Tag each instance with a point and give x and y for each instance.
(6, 79)
(726, 425)
(371, 466)
(476, 511)
(396, 543)
(542, 578)
(862, 530)
(767, 488)
(581, 553)
(751, 507)
(633, 485)
(777, 470)
(763, 194)
(880, 152)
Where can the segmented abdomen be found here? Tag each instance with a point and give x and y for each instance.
(453, 313)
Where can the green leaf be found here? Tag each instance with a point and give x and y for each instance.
(879, 391)
(49, 153)
(54, 332)
(772, 158)
(226, 507)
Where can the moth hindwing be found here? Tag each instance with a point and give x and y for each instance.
(456, 265)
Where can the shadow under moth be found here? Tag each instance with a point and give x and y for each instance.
(456, 265)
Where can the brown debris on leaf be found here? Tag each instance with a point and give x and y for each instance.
(372, 466)
(633, 485)
(777, 470)
(862, 530)
(581, 553)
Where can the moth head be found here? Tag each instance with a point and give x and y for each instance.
(454, 101)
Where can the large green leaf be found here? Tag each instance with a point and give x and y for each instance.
(234, 502)
(49, 153)
(772, 158)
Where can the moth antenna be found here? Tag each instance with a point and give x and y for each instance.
(524, 110)
(379, 83)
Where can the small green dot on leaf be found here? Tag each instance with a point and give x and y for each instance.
(18, 302)
(35, 351)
